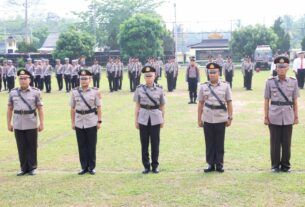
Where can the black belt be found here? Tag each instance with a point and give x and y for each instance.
(280, 103)
(148, 107)
(213, 106)
(22, 112)
(83, 112)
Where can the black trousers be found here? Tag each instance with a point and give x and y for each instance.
(280, 144)
(36, 81)
(152, 134)
(130, 81)
(74, 81)
(27, 148)
(41, 83)
(214, 142)
(301, 77)
(0, 83)
(111, 81)
(170, 81)
(120, 82)
(32, 82)
(59, 78)
(175, 82)
(248, 79)
(229, 77)
(86, 140)
(274, 73)
(68, 82)
(5, 83)
(96, 80)
(47, 81)
(192, 84)
(10, 82)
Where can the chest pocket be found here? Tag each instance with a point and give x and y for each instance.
(290, 90)
(206, 94)
(274, 93)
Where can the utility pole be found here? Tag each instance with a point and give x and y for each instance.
(175, 31)
(27, 39)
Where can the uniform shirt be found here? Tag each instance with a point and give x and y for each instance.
(228, 66)
(247, 66)
(223, 91)
(297, 64)
(59, 69)
(155, 115)
(11, 71)
(96, 69)
(30, 68)
(67, 69)
(33, 97)
(192, 72)
(38, 70)
(1, 72)
(110, 67)
(281, 115)
(4, 71)
(75, 70)
(48, 70)
(92, 97)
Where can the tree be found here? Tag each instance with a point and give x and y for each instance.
(245, 40)
(104, 18)
(73, 44)
(283, 42)
(24, 47)
(303, 44)
(168, 42)
(141, 36)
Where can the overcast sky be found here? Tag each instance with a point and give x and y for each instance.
(199, 15)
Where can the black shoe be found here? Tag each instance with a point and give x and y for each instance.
(285, 169)
(275, 170)
(33, 172)
(146, 171)
(155, 170)
(82, 172)
(220, 169)
(195, 102)
(210, 168)
(21, 173)
(191, 102)
(92, 172)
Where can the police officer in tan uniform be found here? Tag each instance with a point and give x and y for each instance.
(192, 77)
(23, 104)
(29, 66)
(214, 115)
(96, 72)
(11, 75)
(149, 118)
(281, 113)
(4, 74)
(67, 71)
(228, 69)
(59, 74)
(47, 73)
(86, 119)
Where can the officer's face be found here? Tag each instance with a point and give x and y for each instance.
(282, 69)
(85, 81)
(214, 75)
(24, 81)
(149, 78)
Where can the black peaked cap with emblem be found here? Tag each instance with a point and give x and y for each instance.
(84, 72)
(148, 69)
(24, 72)
(281, 60)
(212, 66)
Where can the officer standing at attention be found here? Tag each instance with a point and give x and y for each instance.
(248, 68)
(11, 75)
(48, 75)
(299, 69)
(228, 69)
(1, 76)
(149, 117)
(86, 119)
(59, 74)
(29, 66)
(110, 69)
(67, 69)
(4, 74)
(96, 72)
(192, 77)
(281, 113)
(214, 115)
(23, 102)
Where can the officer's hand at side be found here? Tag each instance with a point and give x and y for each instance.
(40, 127)
(10, 128)
(162, 125)
(73, 126)
(266, 121)
(137, 125)
(296, 121)
(200, 124)
(228, 123)
(98, 126)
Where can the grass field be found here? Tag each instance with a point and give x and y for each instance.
(247, 180)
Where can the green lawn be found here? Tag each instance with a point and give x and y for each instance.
(247, 180)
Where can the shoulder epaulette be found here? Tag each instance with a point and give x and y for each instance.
(14, 89)
(272, 77)
(76, 88)
(140, 85)
(204, 83)
(34, 88)
(293, 78)
(94, 88)
(159, 86)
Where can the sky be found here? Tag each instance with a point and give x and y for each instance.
(194, 15)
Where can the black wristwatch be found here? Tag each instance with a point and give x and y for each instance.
(230, 118)
(99, 122)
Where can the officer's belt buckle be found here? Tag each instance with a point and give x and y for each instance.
(83, 112)
(148, 107)
(22, 112)
(213, 106)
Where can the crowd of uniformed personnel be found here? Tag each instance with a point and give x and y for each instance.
(215, 107)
